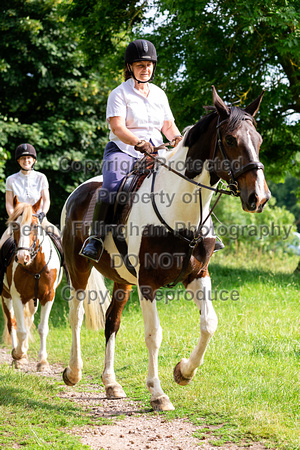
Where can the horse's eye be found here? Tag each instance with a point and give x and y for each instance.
(230, 140)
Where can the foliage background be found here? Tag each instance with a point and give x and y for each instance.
(60, 58)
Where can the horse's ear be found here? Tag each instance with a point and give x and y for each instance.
(220, 106)
(15, 201)
(254, 106)
(37, 205)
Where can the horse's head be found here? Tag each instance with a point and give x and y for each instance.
(24, 224)
(236, 153)
(227, 140)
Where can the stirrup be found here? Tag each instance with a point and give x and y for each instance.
(97, 251)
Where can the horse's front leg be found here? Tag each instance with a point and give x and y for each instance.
(153, 337)
(72, 373)
(43, 332)
(186, 368)
(121, 293)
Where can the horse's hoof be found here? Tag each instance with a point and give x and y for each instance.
(66, 379)
(114, 391)
(42, 366)
(162, 403)
(179, 378)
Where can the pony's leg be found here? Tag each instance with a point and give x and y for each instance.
(120, 297)
(186, 368)
(10, 330)
(72, 374)
(153, 338)
(19, 352)
(43, 332)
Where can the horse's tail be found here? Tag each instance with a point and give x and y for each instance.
(96, 302)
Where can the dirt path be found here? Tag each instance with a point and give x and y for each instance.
(140, 429)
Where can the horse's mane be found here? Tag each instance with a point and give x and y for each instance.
(236, 115)
(21, 208)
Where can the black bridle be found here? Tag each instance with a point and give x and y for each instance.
(34, 248)
(234, 174)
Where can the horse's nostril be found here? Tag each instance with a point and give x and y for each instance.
(252, 202)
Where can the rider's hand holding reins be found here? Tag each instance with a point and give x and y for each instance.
(176, 139)
(144, 147)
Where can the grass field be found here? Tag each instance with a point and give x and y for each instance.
(250, 380)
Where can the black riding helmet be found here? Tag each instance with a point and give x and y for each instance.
(140, 50)
(25, 150)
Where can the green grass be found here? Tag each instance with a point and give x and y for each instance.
(248, 387)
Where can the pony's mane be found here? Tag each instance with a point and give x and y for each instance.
(21, 208)
(236, 115)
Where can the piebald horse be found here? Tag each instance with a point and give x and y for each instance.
(224, 144)
(32, 275)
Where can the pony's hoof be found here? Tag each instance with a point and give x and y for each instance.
(162, 403)
(17, 356)
(66, 379)
(114, 391)
(179, 378)
(19, 363)
(42, 366)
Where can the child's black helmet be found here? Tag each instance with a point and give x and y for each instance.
(25, 150)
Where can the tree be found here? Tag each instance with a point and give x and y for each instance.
(240, 46)
(48, 95)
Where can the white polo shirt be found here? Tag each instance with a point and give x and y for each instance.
(144, 117)
(27, 188)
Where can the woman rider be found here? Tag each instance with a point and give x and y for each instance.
(137, 113)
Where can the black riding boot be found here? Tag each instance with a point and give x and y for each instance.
(93, 245)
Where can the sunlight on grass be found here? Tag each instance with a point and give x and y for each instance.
(249, 383)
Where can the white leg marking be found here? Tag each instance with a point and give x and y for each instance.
(153, 337)
(108, 375)
(76, 317)
(208, 326)
(44, 330)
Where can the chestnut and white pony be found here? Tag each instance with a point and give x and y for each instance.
(32, 275)
(161, 251)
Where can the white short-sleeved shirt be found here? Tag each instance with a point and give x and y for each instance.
(144, 117)
(28, 188)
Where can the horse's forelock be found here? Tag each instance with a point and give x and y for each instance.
(25, 210)
(236, 115)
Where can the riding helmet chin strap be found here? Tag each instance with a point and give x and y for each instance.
(148, 81)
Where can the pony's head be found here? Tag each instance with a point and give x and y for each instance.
(24, 226)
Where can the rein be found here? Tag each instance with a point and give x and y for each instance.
(233, 190)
